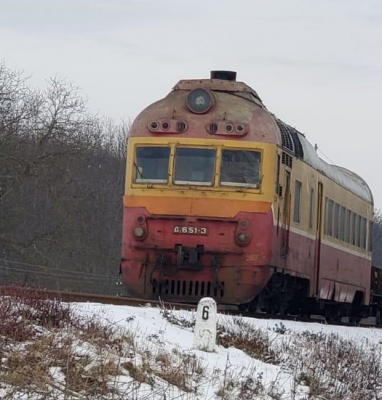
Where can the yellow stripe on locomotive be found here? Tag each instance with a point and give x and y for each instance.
(166, 193)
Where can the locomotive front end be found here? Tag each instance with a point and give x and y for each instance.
(200, 183)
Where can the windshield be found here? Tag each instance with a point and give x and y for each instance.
(194, 166)
(151, 164)
(197, 166)
(240, 168)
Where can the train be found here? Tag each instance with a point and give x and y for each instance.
(225, 200)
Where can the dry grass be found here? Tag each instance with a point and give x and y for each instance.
(49, 352)
(175, 319)
(335, 368)
(179, 369)
(245, 384)
(238, 333)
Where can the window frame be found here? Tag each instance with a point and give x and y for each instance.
(182, 183)
(143, 181)
(247, 185)
(297, 201)
(311, 209)
(218, 148)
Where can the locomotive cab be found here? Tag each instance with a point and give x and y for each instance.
(223, 199)
(200, 184)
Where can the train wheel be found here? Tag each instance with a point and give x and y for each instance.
(333, 315)
(304, 315)
(243, 307)
(354, 320)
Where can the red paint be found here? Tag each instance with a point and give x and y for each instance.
(336, 265)
(243, 269)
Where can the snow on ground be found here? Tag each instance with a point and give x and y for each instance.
(149, 325)
(147, 353)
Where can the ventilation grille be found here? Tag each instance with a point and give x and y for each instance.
(212, 128)
(280, 192)
(286, 159)
(286, 138)
(290, 138)
(188, 288)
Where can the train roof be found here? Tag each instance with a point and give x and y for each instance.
(220, 85)
(292, 141)
(296, 143)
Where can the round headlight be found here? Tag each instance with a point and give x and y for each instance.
(141, 219)
(243, 223)
(139, 232)
(242, 239)
(199, 101)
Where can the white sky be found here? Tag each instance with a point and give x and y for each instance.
(317, 64)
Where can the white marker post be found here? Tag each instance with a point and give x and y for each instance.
(205, 325)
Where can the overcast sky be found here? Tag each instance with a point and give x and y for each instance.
(317, 64)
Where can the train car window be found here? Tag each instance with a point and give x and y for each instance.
(151, 165)
(326, 216)
(353, 229)
(363, 233)
(240, 168)
(336, 220)
(370, 237)
(311, 208)
(342, 223)
(329, 218)
(194, 166)
(297, 202)
(347, 226)
(358, 230)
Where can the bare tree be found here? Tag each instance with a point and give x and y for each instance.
(61, 185)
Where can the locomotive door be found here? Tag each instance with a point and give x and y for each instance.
(286, 217)
(317, 249)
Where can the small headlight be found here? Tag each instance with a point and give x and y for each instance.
(242, 237)
(199, 101)
(153, 126)
(139, 232)
(141, 219)
(243, 224)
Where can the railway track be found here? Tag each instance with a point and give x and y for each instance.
(16, 291)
